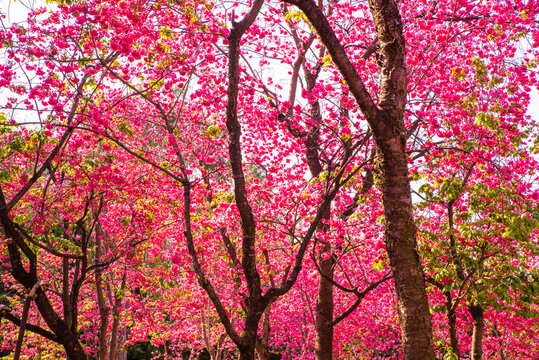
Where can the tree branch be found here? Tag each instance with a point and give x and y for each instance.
(359, 297)
(33, 328)
(339, 57)
(248, 224)
(47, 163)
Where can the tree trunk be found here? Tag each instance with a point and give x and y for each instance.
(72, 346)
(114, 334)
(68, 311)
(104, 310)
(452, 322)
(324, 300)
(262, 343)
(24, 318)
(103, 325)
(478, 328)
(324, 306)
(116, 320)
(400, 238)
(247, 352)
(385, 118)
(262, 351)
(121, 354)
(451, 317)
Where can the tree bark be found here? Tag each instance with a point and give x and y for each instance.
(104, 310)
(324, 300)
(113, 350)
(451, 316)
(22, 326)
(400, 241)
(324, 305)
(476, 311)
(387, 124)
(452, 322)
(254, 303)
(262, 343)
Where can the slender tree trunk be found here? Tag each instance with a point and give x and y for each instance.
(114, 334)
(324, 300)
(451, 317)
(324, 306)
(478, 329)
(255, 301)
(104, 310)
(452, 322)
(103, 326)
(68, 311)
(24, 319)
(113, 350)
(262, 343)
(121, 354)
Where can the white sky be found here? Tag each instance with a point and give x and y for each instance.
(15, 10)
(533, 109)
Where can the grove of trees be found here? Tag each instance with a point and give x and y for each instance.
(270, 179)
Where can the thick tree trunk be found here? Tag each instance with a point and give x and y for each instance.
(247, 352)
(400, 237)
(386, 121)
(478, 329)
(69, 340)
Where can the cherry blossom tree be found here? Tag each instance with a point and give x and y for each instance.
(179, 157)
